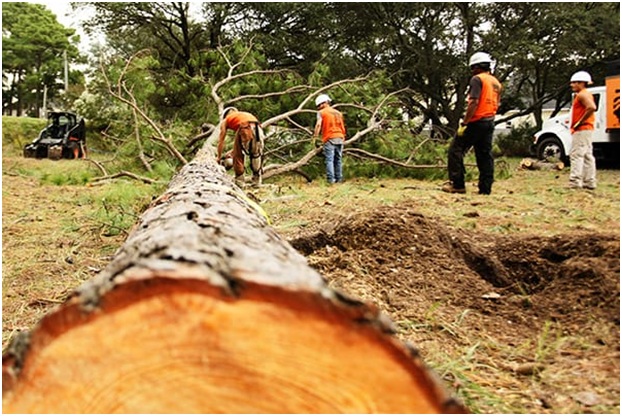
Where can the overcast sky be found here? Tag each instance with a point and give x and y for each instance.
(60, 9)
(67, 18)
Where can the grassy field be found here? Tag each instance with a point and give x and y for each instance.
(57, 231)
(538, 202)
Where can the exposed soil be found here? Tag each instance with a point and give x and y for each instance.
(503, 292)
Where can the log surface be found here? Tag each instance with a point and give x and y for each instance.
(531, 164)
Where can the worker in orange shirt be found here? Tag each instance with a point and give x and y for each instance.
(582, 162)
(333, 130)
(476, 129)
(248, 140)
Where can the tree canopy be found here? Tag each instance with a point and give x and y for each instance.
(421, 46)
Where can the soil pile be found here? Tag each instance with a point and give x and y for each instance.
(412, 266)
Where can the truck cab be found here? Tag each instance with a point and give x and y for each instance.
(554, 141)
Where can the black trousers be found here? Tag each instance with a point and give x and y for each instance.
(479, 136)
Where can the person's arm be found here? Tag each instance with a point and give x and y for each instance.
(475, 89)
(221, 139)
(587, 100)
(470, 111)
(318, 129)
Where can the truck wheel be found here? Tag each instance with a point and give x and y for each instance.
(551, 149)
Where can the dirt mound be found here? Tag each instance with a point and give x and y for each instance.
(411, 265)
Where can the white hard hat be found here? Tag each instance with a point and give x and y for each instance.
(226, 110)
(581, 76)
(322, 98)
(228, 162)
(480, 58)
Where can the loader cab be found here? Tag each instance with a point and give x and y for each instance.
(59, 124)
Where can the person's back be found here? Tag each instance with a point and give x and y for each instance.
(237, 118)
(489, 97)
(332, 124)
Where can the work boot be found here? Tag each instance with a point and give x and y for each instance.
(256, 181)
(449, 188)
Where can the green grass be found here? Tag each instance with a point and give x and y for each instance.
(525, 202)
(120, 206)
(19, 131)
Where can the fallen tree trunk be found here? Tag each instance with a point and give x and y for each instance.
(205, 309)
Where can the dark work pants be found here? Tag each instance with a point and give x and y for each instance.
(479, 136)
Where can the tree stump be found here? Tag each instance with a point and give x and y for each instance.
(206, 309)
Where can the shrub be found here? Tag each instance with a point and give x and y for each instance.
(19, 131)
(516, 143)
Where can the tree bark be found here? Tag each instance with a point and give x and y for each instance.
(531, 164)
(206, 309)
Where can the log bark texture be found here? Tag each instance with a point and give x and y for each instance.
(531, 164)
(206, 309)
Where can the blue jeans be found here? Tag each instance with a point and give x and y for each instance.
(332, 156)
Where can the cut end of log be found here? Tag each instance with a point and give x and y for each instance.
(182, 346)
(531, 164)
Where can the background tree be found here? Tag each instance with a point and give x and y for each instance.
(33, 47)
(286, 51)
(539, 45)
(180, 38)
(421, 46)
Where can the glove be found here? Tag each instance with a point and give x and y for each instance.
(460, 131)
(316, 143)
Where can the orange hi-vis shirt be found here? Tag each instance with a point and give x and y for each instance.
(237, 118)
(488, 97)
(578, 110)
(332, 124)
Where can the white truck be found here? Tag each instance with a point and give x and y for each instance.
(554, 141)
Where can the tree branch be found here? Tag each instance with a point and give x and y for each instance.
(119, 95)
(360, 152)
(122, 174)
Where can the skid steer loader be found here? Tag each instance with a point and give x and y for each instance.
(63, 138)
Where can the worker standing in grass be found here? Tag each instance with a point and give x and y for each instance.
(476, 129)
(330, 124)
(248, 139)
(582, 162)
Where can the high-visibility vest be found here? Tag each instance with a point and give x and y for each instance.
(332, 124)
(488, 97)
(237, 118)
(578, 109)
